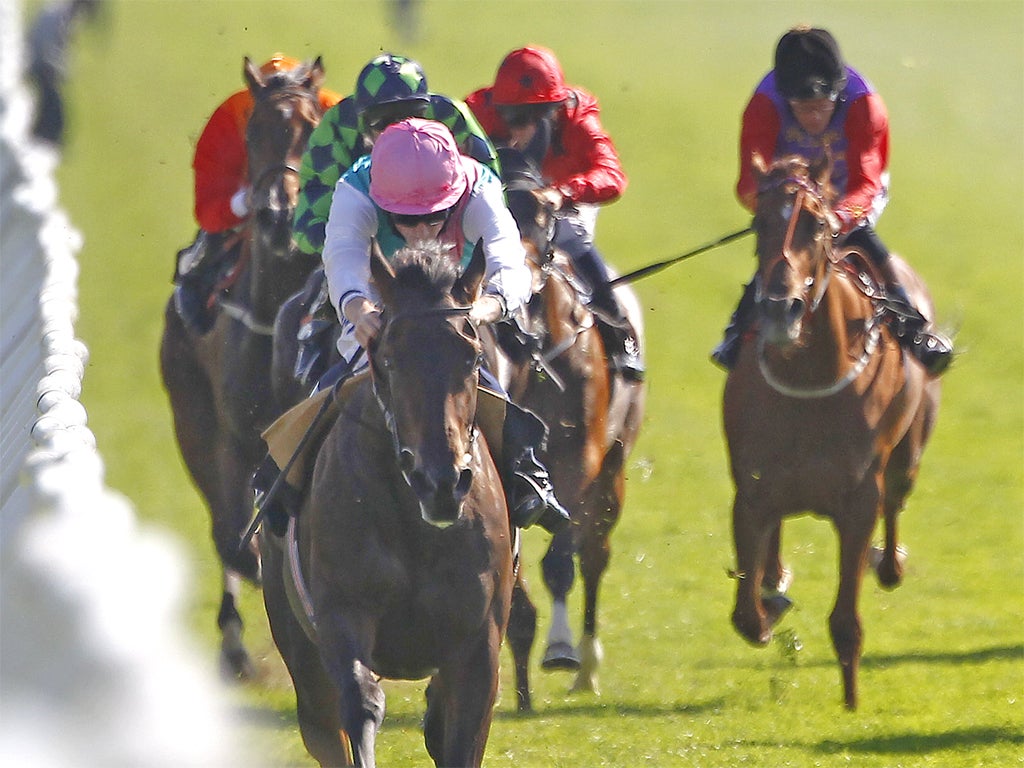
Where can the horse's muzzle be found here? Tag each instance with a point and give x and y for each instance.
(440, 492)
(781, 319)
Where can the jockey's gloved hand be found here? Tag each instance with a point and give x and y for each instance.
(365, 316)
(489, 308)
(240, 203)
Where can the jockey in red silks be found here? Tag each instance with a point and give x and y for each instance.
(812, 104)
(220, 166)
(530, 107)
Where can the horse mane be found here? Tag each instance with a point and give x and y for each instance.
(427, 269)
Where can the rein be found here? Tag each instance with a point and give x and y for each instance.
(872, 326)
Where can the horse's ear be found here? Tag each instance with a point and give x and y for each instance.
(253, 76)
(315, 78)
(467, 286)
(821, 170)
(381, 270)
(759, 165)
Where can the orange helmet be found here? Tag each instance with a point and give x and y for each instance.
(530, 75)
(279, 63)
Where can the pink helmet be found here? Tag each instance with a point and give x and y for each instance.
(416, 168)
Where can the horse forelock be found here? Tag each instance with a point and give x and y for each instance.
(427, 270)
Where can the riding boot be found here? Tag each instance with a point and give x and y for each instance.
(283, 504)
(195, 276)
(531, 497)
(934, 350)
(617, 332)
(728, 349)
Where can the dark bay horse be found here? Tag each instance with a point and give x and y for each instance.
(218, 383)
(593, 415)
(823, 412)
(403, 545)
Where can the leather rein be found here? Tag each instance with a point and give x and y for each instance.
(808, 192)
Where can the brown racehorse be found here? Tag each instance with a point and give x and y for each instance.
(218, 383)
(823, 412)
(403, 544)
(593, 417)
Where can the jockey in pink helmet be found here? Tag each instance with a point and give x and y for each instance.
(415, 186)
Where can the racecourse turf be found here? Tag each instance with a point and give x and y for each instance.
(942, 682)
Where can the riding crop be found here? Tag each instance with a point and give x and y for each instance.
(650, 269)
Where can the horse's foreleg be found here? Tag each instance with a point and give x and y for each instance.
(235, 663)
(854, 526)
(360, 695)
(460, 701)
(595, 554)
(777, 579)
(559, 569)
(751, 535)
(522, 629)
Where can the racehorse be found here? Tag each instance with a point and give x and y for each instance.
(593, 416)
(823, 411)
(218, 383)
(402, 549)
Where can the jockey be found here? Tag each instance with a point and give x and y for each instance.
(389, 88)
(415, 186)
(220, 165)
(530, 107)
(811, 104)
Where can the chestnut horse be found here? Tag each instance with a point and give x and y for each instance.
(824, 412)
(593, 416)
(218, 383)
(402, 548)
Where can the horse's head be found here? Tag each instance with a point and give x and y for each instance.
(286, 110)
(533, 211)
(794, 225)
(425, 366)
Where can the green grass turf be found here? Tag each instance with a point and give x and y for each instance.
(942, 680)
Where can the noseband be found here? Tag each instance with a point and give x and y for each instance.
(806, 192)
(385, 408)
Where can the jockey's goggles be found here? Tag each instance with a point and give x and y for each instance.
(415, 219)
(380, 118)
(520, 115)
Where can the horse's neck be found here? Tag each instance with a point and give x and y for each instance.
(273, 278)
(830, 326)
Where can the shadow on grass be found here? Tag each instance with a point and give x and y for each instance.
(611, 709)
(917, 743)
(1013, 652)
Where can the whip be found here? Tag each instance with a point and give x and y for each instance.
(650, 269)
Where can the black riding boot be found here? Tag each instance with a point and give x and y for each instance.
(934, 350)
(531, 498)
(285, 501)
(195, 275)
(728, 349)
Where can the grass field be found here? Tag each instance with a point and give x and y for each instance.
(942, 682)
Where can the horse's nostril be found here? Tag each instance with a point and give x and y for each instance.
(796, 309)
(464, 483)
(406, 460)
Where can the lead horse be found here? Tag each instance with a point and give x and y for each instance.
(823, 412)
(593, 415)
(218, 383)
(401, 562)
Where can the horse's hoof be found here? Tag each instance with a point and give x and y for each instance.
(236, 666)
(776, 606)
(560, 655)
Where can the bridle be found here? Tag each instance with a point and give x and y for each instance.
(381, 374)
(807, 192)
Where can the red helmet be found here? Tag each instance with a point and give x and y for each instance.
(530, 75)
